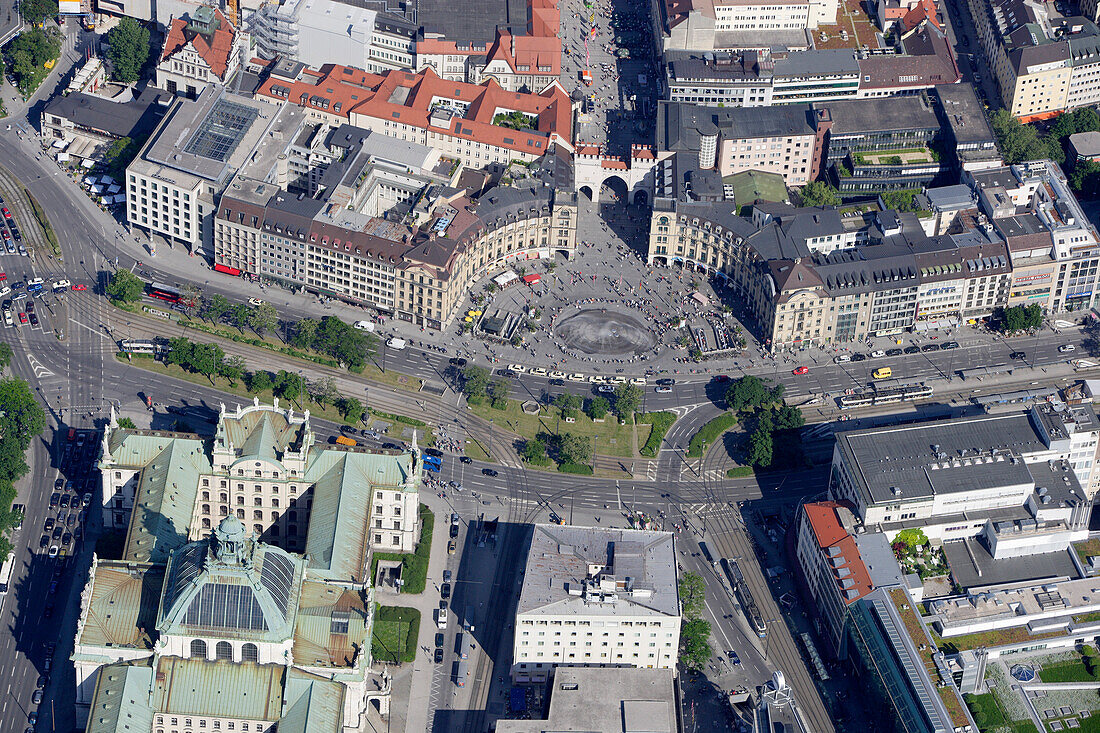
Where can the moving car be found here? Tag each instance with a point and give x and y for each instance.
(80, 287)
(662, 389)
(801, 370)
(255, 301)
(489, 471)
(364, 325)
(882, 373)
(1066, 348)
(1017, 355)
(457, 361)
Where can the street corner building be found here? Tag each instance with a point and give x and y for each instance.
(596, 597)
(242, 598)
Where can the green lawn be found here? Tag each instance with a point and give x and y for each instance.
(1069, 671)
(414, 565)
(613, 439)
(710, 433)
(986, 710)
(661, 422)
(395, 632)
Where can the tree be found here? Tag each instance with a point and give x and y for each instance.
(475, 380)
(788, 418)
(22, 419)
(568, 403)
(35, 12)
(215, 307)
(129, 50)
(125, 287)
(819, 193)
(760, 447)
(29, 53)
(749, 392)
(1085, 178)
(239, 315)
(323, 391)
(288, 385)
(498, 391)
(598, 408)
(693, 593)
(695, 649)
(206, 359)
(232, 368)
(901, 200)
(179, 352)
(912, 538)
(1018, 142)
(305, 333)
(5, 355)
(573, 448)
(260, 381)
(121, 153)
(1020, 318)
(534, 451)
(263, 318)
(628, 397)
(352, 409)
(125, 422)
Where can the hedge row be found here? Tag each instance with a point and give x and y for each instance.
(661, 422)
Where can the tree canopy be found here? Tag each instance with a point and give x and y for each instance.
(125, 287)
(1020, 318)
(28, 55)
(628, 397)
(475, 380)
(819, 193)
(129, 50)
(35, 12)
(751, 392)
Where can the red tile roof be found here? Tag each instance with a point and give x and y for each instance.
(215, 51)
(922, 11)
(539, 47)
(830, 533)
(407, 98)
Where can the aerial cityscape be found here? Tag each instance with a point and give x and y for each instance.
(550, 366)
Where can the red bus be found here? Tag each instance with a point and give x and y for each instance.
(167, 293)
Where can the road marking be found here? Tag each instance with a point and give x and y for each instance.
(96, 331)
(40, 371)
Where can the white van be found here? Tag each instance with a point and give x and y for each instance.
(397, 344)
(441, 618)
(364, 326)
(61, 285)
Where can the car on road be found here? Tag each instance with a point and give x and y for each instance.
(801, 370)
(54, 549)
(489, 472)
(255, 301)
(457, 361)
(1066, 348)
(878, 354)
(842, 359)
(1017, 355)
(605, 388)
(734, 659)
(465, 459)
(452, 548)
(507, 373)
(911, 350)
(858, 357)
(517, 368)
(364, 325)
(437, 655)
(662, 389)
(44, 542)
(666, 382)
(721, 378)
(883, 373)
(80, 287)
(445, 591)
(930, 347)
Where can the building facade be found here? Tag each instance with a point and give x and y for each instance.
(596, 598)
(199, 52)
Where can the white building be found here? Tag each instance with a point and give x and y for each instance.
(596, 597)
(954, 477)
(772, 15)
(201, 51)
(319, 32)
(174, 181)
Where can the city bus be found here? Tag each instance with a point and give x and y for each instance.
(167, 293)
(5, 573)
